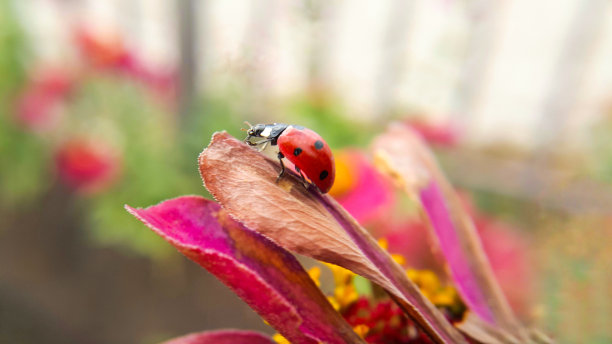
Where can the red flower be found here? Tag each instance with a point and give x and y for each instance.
(87, 166)
(385, 322)
(109, 52)
(99, 50)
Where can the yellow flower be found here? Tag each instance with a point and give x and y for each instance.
(280, 339)
(341, 275)
(382, 242)
(345, 175)
(344, 291)
(398, 258)
(430, 286)
(315, 274)
(425, 279)
(447, 296)
(361, 330)
(345, 295)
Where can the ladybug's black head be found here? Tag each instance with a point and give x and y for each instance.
(256, 130)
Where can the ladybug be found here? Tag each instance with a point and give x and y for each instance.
(309, 153)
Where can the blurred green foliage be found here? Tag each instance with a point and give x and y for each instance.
(126, 115)
(327, 117)
(157, 148)
(601, 146)
(23, 159)
(159, 151)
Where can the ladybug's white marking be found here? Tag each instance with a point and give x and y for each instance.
(266, 132)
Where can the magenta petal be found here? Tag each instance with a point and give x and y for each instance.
(263, 274)
(450, 244)
(404, 156)
(223, 337)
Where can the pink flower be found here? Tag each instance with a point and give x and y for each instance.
(363, 191)
(509, 255)
(507, 251)
(245, 239)
(87, 166)
(402, 154)
(406, 237)
(436, 134)
(38, 105)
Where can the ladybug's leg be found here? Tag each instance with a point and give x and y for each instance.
(258, 143)
(282, 171)
(247, 140)
(251, 143)
(263, 146)
(304, 182)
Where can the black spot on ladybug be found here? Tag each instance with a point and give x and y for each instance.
(297, 151)
(318, 144)
(323, 174)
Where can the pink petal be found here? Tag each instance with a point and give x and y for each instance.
(405, 157)
(223, 337)
(371, 196)
(38, 106)
(310, 223)
(437, 134)
(509, 254)
(264, 275)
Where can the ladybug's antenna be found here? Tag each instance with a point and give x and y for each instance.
(248, 124)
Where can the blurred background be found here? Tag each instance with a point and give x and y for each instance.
(104, 103)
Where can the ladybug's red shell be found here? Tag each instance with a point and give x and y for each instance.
(310, 154)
